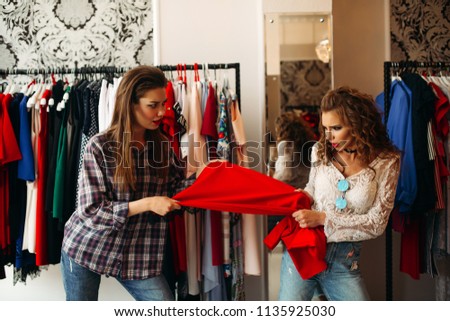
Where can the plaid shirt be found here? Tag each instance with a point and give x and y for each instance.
(99, 235)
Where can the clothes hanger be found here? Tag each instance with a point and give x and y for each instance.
(9, 82)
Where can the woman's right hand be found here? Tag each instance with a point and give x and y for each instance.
(160, 205)
(306, 193)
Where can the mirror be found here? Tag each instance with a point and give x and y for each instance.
(298, 74)
(298, 63)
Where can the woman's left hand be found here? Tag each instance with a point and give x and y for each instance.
(309, 218)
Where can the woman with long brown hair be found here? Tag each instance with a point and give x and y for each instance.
(129, 173)
(352, 186)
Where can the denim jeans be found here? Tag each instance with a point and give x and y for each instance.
(81, 284)
(341, 281)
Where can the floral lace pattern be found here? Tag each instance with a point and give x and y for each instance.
(370, 198)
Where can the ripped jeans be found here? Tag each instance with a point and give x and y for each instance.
(341, 281)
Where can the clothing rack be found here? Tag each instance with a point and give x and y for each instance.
(120, 70)
(400, 66)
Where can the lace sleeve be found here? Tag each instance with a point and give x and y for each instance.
(350, 226)
(309, 188)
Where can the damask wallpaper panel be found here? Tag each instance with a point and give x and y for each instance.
(420, 30)
(56, 33)
(304, 83)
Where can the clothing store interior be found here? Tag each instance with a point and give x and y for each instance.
(272, 57)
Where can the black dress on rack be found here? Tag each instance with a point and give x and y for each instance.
(423, 100)
(54, 231)
(76, 124)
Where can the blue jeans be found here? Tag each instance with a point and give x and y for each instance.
(81, 284)
(341, 281)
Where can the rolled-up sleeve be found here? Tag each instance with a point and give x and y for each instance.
(96, 202)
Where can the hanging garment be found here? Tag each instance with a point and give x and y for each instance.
(223, 143)
(9, 152)
(26, 164)
(29, 237)
(249, 231)
(16, 194)
(54, 230)
(399, 127)
(169, 121)
(230, 187)
(423, 100)
(41, 220)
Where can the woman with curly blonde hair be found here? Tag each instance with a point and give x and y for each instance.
(352, 186)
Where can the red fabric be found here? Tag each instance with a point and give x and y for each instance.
(169, 121)
(178, 236)
(9, 152)
(303, 244)
(216, 238)
(176, 226)
(441, 106)
(41, 219)
(9, 149)
(398, 220)
(224, 186)
(409, 254)
(209, 127)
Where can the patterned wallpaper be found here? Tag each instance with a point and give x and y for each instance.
(55, 33)
(420, 30)
(304, 83)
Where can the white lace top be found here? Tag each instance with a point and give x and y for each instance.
(370, 198)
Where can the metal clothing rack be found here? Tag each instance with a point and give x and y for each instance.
(235, 66)
(400, 66)
(120, 70)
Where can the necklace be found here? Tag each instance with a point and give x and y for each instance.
(341, 163)
(350, 151)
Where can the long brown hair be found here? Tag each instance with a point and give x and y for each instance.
(358, 111)
(134, 84)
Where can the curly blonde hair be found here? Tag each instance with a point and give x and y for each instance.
(358, 111)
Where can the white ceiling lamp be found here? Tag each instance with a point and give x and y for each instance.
(323, 50)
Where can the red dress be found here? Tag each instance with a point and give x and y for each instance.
(224, 186)
(41, 220)
(9, 152)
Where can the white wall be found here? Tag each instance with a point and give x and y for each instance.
(48, 287)
(205, 31)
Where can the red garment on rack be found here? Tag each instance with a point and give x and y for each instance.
(41, 218)
(224, 186)
(209, 127)
(9, 152)
(9, 149)
(169, 122)
(176, 226)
